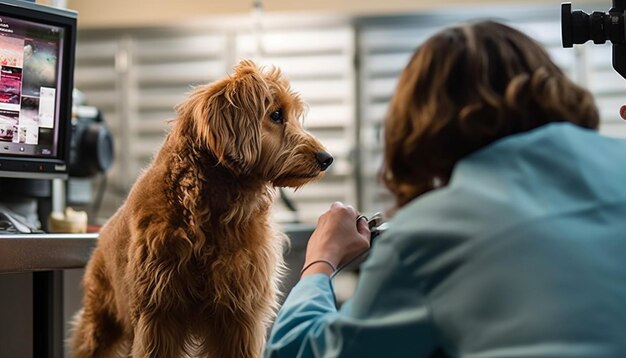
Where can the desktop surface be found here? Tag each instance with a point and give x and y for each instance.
(45, 251)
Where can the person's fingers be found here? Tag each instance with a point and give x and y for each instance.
(363, 228)
(336, 204)
(340, 209)
(622, 112)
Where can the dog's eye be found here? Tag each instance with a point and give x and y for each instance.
(277, 116)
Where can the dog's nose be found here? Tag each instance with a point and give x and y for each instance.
(324, 159)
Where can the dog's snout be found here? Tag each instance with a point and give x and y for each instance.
(324, 159)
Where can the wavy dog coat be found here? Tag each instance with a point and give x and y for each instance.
(189, 264)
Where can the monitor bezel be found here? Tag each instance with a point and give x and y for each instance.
(58, 166)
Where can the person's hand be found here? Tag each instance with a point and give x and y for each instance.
(337, 239)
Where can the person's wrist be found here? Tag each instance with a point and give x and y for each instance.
(326, 267)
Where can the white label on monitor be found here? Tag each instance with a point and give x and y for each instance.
(46, 107)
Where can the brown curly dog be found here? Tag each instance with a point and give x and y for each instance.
(190, 264)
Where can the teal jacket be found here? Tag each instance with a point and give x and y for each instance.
(523, 254)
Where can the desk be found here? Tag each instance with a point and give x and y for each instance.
(46, 255)
(45, 252)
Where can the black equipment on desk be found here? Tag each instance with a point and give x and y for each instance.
(91, 156)
(91, 149)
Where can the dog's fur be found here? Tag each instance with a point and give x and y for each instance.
(190, 263)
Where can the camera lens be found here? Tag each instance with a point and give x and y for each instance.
(597, 28)
(566, 25)
(581, 26)
(578, 27)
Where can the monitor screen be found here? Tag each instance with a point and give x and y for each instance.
(36, 80)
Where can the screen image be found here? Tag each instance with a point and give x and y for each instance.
(8, 125)
(10, 84)
(29, 87)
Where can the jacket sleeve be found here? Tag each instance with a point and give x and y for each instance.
(387, 316)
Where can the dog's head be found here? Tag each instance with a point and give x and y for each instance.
(251, 122)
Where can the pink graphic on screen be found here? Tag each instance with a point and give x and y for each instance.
(11, 51)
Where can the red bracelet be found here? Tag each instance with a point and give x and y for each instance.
(315, 262)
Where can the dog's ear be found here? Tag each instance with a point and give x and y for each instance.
(228, 114)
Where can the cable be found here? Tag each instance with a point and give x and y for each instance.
(287, 200)
(97, 203)
(359, 256)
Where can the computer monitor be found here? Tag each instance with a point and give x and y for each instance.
(37, 45)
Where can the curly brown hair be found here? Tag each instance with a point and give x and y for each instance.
(464, 88)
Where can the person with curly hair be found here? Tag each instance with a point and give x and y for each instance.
(509, 230)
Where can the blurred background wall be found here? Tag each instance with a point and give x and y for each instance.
(115, 13)
(137, 59)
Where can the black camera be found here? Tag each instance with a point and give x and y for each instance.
(91, 145)
(579, 27)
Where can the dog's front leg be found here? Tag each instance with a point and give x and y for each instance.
(159, 335)
(157, 295)
(232, 333)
